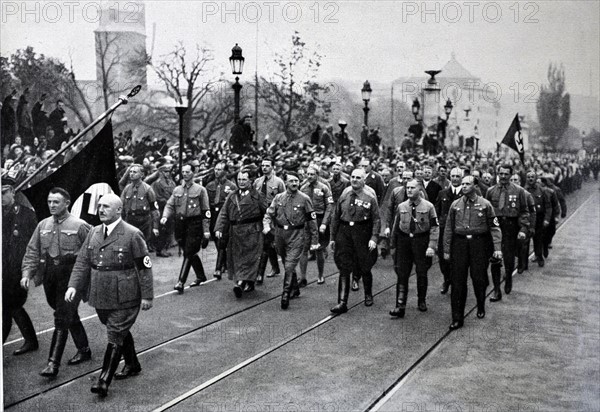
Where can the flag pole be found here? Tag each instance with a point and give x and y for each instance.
(122, 100)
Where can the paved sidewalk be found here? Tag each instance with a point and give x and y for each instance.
(536, 350)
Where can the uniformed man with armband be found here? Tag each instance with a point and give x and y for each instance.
(543, 213)
(414, 236)
(140, 207)
(289, 214)
(472, 236)
(510, 206)
(189, 204)
(320, 195)
(354, 231)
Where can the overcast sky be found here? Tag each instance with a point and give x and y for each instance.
(505, 42)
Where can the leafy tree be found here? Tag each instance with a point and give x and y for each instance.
(554, 107)
(293, 102)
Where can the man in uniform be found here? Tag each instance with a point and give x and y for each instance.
(217, 190)
(163, 188)
(445, 199)
(522, 244)
(241, 220)
(373, 179)
(354, 229)
(114, 273)
(414, 235)
(18, 224)
(559, 208)
(510, 206)
(540, 221)
(268, 185)
(290, 213)
(49, 259)
(338, 182)
(470, 230)
(140, 208)
(189, 205)
(320, 195)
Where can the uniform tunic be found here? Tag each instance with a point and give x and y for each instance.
(442, 207)
(337, 186)
(355, 222)
(113, 275)
(49, 259)
(471, 235)
(241, 219)
(217, 193)
(322, 200)
(140, 207)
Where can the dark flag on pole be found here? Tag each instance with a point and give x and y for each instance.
(513, 138)
(95, 163)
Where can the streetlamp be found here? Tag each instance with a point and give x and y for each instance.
(237, 66)
(366, 96)
(342, 124)
(181, 107)
(447, 109)
(416, 107)
(431, 99)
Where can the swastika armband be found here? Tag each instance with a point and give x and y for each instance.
(207, 214)
(311, 216)
(143, 263)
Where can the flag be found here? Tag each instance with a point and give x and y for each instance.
(95, 163)
(513, 138)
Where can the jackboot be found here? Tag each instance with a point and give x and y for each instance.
(343, 292)
(496, 270)
(219, 266)
(23, 321)
(368, 284)
(132, 366)
(57, 347)
(508, 283)
(183, 274)
(295, 286)
(287, 289)
(422, 293)
(199, 269)
(81, 343)
(400, 308)
(112, 357)
(262, 267)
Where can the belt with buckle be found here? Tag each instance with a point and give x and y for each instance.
(61, 260)
(413, 235)
(289, 227)
(111, 268)
(190, 218)
(357, 223)
(138, 214)
(471, 237)
(245, 221)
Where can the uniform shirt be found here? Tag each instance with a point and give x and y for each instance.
(54, 237)
(320, 195)
(163, 189)
(218, 192)
(389, 207)
(425, 221)
(515, 203)
(139, 199)
(543, 202)
(18, 224)
(445, 199)
(472, 217)
(375, 181)
(337, 186)
(187, 201)
(357, 207)
(274, 186)
(292, 209)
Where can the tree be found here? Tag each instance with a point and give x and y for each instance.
(293, 101)
(190, 80)
(554, 107)
(43, 74)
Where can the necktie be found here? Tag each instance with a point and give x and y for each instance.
(264, 187)
(105, 232)
(502, 201)
(413, 224)
(352, 208)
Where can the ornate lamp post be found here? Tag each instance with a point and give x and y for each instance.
(366, 96)
(416, 108)
(447, 109)
(181, 108)
(431, 99)
(237, 66)
(342, 124)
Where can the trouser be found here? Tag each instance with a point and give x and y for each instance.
(445, 266)
(352, 253)
(538, 237)
(23, 322)
(523, 252)
(510, 231)
(220, 244)
(165, 232)
(189, 233)
(289, 245)
(118, 322)
(468, 256)
(411, 251)
(144, 223)
(56, 280)
(549, 233)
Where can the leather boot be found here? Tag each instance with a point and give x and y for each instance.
(368, 284)
(343, 292)
(287, 289)
(295, 286)
(112, 357)
(400, 308)
(481, 308)
(199, 269)
(81, 343)
(220, 262)
(23, 321)
(508, 283)
(57, 347)
(183, 274)
(132, 366)
(262, 266)
(422, 292)
(496, 270)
